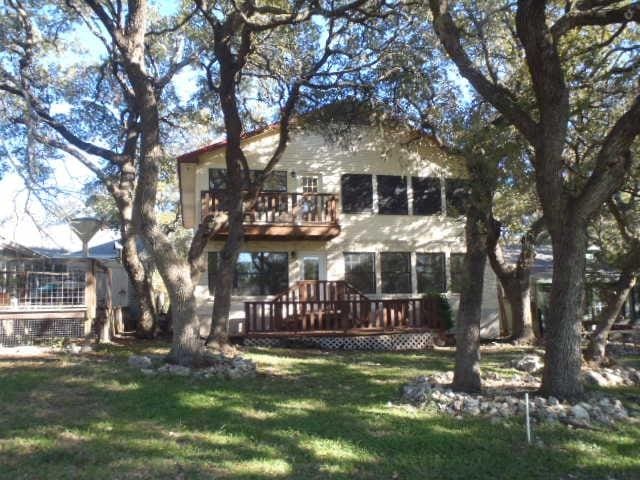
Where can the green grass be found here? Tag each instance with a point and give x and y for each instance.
(309, 415)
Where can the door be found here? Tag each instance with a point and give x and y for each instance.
(313, 266)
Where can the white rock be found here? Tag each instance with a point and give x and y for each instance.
(139, 361)
(529, 363)
(592, 377)
(580, 413)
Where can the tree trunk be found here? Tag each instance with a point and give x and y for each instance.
(146, 325)
(518, 292)
(596, 351)
(561, 376)
(186, 347)
(226, 270)
(467, 369)
(103, 321)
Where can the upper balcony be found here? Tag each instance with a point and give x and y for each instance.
(286, 216)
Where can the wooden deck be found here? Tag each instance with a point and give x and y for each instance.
(289, 216)
(335, 307)
(359, 332)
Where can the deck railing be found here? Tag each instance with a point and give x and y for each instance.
(281, 208)
(333, 311)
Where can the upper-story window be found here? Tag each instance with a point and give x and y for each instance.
(427, 199)
(309, 183)
(275, 182)
(392, 195)
(357, 193)
(458, 192)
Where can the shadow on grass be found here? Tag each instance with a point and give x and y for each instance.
(315, 415)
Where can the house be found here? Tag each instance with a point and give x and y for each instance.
(378, 208)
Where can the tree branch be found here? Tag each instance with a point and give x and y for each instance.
(499, 96)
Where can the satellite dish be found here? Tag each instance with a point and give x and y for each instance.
(85, 228)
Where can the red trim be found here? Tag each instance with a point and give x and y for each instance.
(192, 157)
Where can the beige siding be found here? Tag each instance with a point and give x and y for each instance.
(371, 152)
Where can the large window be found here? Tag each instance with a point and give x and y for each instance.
(357, 193)
(276, 181)
(395, 268)
(360, 271)
(457, 191)
(257, 273)
(392, 195)
(457, 272)
(430, 270)
(427, 199)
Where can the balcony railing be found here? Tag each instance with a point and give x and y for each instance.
(281, 208)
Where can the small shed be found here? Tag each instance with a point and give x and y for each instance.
(45, 295)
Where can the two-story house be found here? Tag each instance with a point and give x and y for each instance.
(379, 211)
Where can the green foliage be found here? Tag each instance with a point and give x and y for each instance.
(446, 313)
(444, 308)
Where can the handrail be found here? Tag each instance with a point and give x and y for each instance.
(280, 208)
(342, 314)
(319, 290)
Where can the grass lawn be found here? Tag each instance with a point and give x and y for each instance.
(308, 415)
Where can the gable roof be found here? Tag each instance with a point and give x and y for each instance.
(192, 157)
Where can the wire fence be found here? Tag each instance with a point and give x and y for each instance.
(33, 290)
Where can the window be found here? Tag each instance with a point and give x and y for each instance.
(457, 191)
(426, 196)
(276, 181)
(457, 272)
(357, 193)
(430, 270)
(396, 272)
(261, 273)
(217, 179)
(392, 195)
(309, 184)
(360, 271)
(256, 273)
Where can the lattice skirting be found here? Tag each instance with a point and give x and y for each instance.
(396, 341)
(15, 332)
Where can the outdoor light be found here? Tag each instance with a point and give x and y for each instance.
(85, 228)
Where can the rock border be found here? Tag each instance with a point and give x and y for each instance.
(219, 366)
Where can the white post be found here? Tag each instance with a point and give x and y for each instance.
(526, 409)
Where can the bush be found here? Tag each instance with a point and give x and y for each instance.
(444, 309)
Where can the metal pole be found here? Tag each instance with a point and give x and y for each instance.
(526, 409)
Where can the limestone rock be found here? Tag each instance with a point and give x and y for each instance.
(529, 364)
(139, 361)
